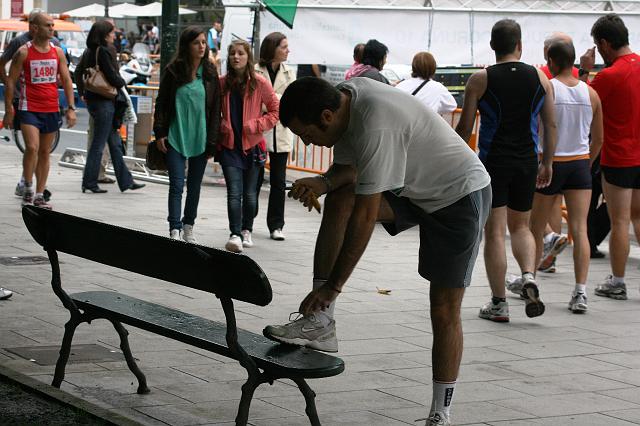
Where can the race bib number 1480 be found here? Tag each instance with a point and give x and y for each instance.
(44, 71)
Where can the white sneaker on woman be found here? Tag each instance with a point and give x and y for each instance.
(187, 234)
(174, 234)
(246, 238)
(234, 244)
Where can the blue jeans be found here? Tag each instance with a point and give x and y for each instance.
(175, 167)
(242, 197)
(103, 132)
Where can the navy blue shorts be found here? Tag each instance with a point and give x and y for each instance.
(513, 186)
(568, 175)
(449, 237)
(624, 177)
(46, 122)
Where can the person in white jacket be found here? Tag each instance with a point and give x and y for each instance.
(274, 51)
(431, 93)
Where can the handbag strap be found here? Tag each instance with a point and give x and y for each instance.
(419, 87)
(97, 66)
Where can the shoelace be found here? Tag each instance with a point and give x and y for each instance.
(435, 417)
(296, 316)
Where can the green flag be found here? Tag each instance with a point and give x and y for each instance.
(284, 10)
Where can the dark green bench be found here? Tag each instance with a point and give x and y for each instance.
(226, 275)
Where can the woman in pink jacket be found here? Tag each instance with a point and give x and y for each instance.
(242, 150)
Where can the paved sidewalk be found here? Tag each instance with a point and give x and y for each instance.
(559, 369)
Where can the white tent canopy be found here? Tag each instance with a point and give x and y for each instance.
(155, 9)
(455, 31)
(91, 10)
(126, 10)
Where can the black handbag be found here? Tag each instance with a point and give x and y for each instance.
(156, 159)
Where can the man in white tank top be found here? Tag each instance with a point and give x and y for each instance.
(578, 114)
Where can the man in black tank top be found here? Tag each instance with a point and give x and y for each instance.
(510, 96)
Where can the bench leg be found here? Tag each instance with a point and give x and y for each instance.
(248, 390)
(69, 330)
(131, 363)
(309, 397)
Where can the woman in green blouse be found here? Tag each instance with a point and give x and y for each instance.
(187, 124)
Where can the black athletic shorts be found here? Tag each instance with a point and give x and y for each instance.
(513, 186)
(624, 177)
(567, 175)
(449, 237)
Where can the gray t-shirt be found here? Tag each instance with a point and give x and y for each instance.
(397, 144)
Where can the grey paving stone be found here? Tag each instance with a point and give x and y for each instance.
(574, 420)
(628, 415)
(629, 376)
(561, 405)
(562, 384)
(350, 418)
(461, 414)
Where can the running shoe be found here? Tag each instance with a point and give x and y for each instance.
(174, 234)
(495, 312)
(42, 203)
(306, 331)
(550, 269)
(234, 244)
(27, 197)
(5, 294)
(436, 419)
(552, 249)
(533, 304)
(19, 192)
(578, 303)
(514, 284)
(608, 289)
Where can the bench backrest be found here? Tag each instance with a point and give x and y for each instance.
(215, 271)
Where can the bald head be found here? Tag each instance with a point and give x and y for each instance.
(38, 17)
(556, 37)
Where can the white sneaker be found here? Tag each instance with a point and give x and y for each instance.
(534, 306)
(5, 294)
(277, 235)
(174, 234)
(234, 244)
(578, 303)
(436, 419)
(514, 284)
(187, 234)
(497, 313)
(19, 192)
(246, 238)
(305, 331)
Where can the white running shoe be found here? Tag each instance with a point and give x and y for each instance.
(19, 192)
(436, 419)
(5, 294)
(305, 331)
(277, 235)
(246, 238)
(551, 250)
(514, 284)
(234, 244)
(578, 303)
(174, 234)
(187, 234)
(608, 289)
(497, 313)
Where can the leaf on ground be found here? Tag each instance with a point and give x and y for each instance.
(383, 291)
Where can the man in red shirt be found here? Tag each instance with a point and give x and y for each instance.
(618, 86)
(38, 64)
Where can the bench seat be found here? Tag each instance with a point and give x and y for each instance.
(275, 358)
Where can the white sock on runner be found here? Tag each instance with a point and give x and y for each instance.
(618, 280)
(327, 315)
(547, 238)
(442, 397)
(580, 288)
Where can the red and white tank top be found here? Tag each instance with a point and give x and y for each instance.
(39, 80)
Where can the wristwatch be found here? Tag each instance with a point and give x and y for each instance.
(582, 72)
(73, 107)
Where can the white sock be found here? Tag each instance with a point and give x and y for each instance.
(547, 238)
(21, 180)
(28, 186)
(580, 288)
(327, 315)
(39, 195)
(442, 397)
(618, 280)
